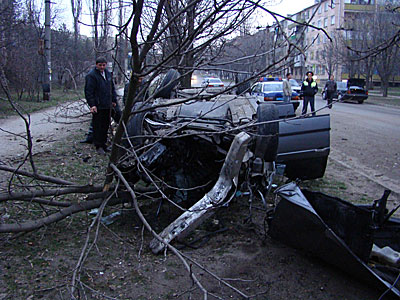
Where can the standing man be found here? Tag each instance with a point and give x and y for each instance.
(330, 90)
(287, 88)
(101, 97)
(309, 88)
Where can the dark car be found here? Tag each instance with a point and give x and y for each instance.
(355, 91)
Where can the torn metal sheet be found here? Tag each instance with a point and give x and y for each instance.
(338, 232)
(213, 199)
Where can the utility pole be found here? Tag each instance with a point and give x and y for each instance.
(47, 46)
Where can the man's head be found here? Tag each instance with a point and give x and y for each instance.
(101, 64)
(332, 77)
(289, 76)
(309, 75)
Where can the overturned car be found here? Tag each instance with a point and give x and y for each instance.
(186, 143)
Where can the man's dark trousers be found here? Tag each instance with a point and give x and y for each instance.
(101, 123)
(311, 100)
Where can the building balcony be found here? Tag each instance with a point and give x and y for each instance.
(359, 7)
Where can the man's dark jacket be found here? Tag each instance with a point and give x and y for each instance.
(98, 91)
(309, 88)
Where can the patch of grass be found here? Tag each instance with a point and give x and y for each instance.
(375, 99)
(26, 105)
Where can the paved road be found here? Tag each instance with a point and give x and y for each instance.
(366, 137)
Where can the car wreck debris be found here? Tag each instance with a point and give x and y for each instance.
(348, 236)
(205, 206)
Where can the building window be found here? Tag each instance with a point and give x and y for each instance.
(324, 39)
(318, 39)
(333, 4)
(332, 20)
(320, 9)
(319, 23)
(326, 22)
(326, 6)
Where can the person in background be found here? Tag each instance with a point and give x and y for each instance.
(287, 88)
(308, 90)
(330, 90)
(101, 97)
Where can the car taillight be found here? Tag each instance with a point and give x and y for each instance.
(366, 92)
(348, 92)
(211, 85)
(268, 99)
(295, 98)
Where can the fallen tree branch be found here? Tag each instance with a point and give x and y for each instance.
(143, 219)
(46, 202)
(52, 192)
(63, 213)
(36, 176)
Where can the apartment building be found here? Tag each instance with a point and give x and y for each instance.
(328, 19)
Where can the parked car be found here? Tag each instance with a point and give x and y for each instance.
(295, 85)
(355, 91)
(271, 89)
(212, 82)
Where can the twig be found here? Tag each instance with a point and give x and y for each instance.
(149, 228)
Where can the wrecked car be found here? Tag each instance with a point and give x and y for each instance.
(362, 240)
(185, 144)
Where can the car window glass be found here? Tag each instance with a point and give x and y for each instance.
(273, 87)
(257, 88)
(293, 82)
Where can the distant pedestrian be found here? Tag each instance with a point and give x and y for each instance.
(287, 88)
(101, 97)
(330, 90)
(308, 89)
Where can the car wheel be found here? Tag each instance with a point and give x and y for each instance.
(167, 85)
(306, 168)
(360, 101)
(267, 139)
(137, 129)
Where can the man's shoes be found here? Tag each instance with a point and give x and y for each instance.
(100, 151)
(87, 140)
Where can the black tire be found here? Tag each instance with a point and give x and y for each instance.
(360, 101)
(305, 169)
(135, 127)
(167, 85)
(268, 134)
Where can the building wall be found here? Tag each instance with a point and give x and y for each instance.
(332, 20)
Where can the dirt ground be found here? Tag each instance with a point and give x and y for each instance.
(39, 265)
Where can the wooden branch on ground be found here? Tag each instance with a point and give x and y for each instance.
(63, 213)
(36, 176)
(87, 189)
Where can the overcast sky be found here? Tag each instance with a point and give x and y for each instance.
(283, 7)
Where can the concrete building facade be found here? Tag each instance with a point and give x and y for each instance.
(329, 21)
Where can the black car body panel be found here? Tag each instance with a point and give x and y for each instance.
(336, 231)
